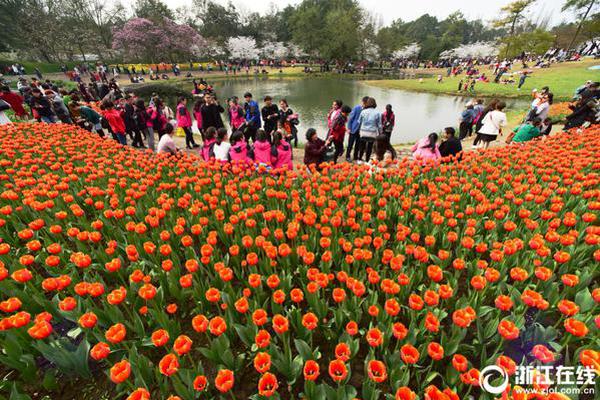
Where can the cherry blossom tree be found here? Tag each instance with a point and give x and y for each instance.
(142, 39)
(412, 50)
(476, 50)
(242, 47)
(274, 50)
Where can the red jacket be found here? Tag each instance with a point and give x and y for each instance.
(115, 120)
(338, 128)
(16, 102)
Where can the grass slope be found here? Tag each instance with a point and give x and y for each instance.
(562, 79)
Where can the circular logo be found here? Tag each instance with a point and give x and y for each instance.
(490, 372)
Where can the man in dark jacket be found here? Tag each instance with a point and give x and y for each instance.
(451, 146)
(42, 106)
(211, 113)
(270, 114)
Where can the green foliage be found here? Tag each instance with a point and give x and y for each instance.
(154, 10)
(536, 42)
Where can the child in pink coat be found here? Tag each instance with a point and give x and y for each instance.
(238, 152)
(427, 149)
(262, 148)
(210, 138)
(281, 152)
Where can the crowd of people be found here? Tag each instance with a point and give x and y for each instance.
(267, 134)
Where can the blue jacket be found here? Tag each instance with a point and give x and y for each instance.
(370, 122)
(253, 113)
(468, 115)
(353, 124)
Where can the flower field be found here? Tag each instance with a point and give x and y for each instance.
(157, 278)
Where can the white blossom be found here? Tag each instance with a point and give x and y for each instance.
(476, 50)
(274, 50)
(412, 50)
(242, 47)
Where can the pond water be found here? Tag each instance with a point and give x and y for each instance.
(417, 114)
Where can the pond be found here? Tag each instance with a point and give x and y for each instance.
(417, 114)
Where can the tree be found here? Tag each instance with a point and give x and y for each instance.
(513, 14)
(410, 51)
(581, 7)
(242, 47)
(154, 10)
(308, 25)
(274, 50)
(342, 33)
(142, 39)
(217, 22)
(535, 42)
(478, 49)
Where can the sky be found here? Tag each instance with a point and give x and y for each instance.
(408, 10)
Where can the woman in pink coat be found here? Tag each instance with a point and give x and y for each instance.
(427, 149)
(184, 121)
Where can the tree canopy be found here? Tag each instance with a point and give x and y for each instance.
(326, 29)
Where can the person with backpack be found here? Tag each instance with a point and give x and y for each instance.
(281, 152)
(388, 121)
(262, 148)
(240, 152)
(184, 121)
(209, 142)
(236, 115)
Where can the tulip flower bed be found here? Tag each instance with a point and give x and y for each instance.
(175, 279)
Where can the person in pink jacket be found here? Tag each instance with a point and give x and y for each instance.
(239, 150)
(237, 117)
(210, 138)
(281, 152)
(427, 149)
(198, 115)
(262, 148)
(184, 121)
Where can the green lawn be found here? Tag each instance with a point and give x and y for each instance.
(562, 79)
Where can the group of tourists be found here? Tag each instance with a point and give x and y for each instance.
(266, 134)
